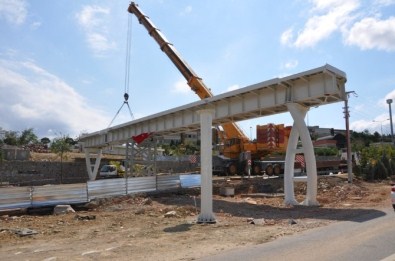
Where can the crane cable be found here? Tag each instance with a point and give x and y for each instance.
(127, 71)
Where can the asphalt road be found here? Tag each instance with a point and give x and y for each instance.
(369, 237)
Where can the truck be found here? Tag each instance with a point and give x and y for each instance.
(108, 171)
(239, 154)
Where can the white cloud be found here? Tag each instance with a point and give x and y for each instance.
(93, 20)
(99, 42)
(291, 64)
(181, 86)
(372, 33)
(384, 2)
(381, 121)
(335, 14)
(378, 121)
(233, 87)
(390, 95)
(362, 125)
(33, 97)
(360, 25)
(328, 17)
(287, 37)
(324, 5)
(13, 11)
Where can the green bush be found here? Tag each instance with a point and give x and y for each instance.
(377, 162)
(326, 151)
(380, 171)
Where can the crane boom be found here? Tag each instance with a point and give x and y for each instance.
(235, 139)
(194, 81)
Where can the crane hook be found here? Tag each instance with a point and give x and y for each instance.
(126, 96)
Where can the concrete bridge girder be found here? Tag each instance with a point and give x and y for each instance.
(323, 85)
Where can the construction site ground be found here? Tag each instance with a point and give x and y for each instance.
(162, 226)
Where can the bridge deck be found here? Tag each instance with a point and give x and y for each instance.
(316, 87)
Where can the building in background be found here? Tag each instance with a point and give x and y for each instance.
(328, 137)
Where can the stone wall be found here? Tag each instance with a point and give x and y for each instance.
(15, 154)
(29, 173)
(33, 173)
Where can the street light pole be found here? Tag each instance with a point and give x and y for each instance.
(381, 129)
(389, 101)
(381, 132)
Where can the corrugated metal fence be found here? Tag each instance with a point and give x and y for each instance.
(51, 195)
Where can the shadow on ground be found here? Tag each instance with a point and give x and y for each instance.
(259, 211)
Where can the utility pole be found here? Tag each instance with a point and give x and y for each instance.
(389, 101)
(347, 116)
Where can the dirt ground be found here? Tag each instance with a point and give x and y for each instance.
(162, 226)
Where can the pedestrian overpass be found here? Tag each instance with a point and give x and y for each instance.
(294, 94)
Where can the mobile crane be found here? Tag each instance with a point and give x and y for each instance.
(234, 140)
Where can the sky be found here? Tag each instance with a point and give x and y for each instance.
(64, 64)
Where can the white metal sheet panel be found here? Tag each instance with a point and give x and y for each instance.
(59, 194)
(106, 187)
(168, 182)
(15, 197)
(190, 180)
(141, 184)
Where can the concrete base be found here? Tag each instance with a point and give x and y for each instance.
(63, 209)
(206, 219)
(227, 191)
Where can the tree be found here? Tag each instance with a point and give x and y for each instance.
(377, 137)
(71, 141)
(45, 141)
(11, 138)
(60, 146)
(27, 137)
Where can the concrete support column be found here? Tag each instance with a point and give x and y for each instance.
(92, 168)
(289, 169)
(206, 213)
(298, 113)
